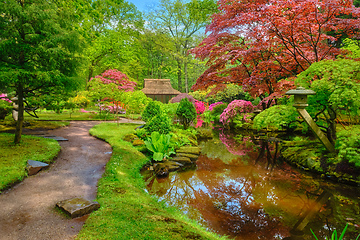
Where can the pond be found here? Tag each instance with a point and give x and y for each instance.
(240, 188)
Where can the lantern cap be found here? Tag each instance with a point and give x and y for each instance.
(300, 91)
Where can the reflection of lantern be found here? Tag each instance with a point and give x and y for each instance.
(300, 103)
(300, 96)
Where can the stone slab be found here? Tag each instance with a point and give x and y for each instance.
(182, 160)
(77, 207)
(190, 150)
(56, 138)
(34, 167)
(193, 157)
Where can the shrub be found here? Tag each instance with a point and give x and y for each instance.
(348, 146)
(234, 108)
(186, 112)
(151, 110)
(159, 123)
(279, 117)
(135, 102)
(217, 110)
(159, 145)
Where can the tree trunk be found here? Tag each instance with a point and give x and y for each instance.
(186, 76)
(179, 75)
(20, 121)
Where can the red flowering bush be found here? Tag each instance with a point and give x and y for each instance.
(117, 77)
(235, 108)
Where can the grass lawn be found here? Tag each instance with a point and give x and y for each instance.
(13, 158)
(127, 211)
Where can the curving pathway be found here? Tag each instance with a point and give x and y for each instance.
(27, 211)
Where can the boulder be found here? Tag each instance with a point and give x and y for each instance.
(190, 150)
(77, 207)
(34, 167)
(182, 160)
(138, 142)
(193, 157)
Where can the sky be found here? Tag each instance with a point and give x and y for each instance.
(144, 5)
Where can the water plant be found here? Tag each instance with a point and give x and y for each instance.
(159, 145)
(334, 235)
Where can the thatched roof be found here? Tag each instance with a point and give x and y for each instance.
(159, 87)
(181, 96)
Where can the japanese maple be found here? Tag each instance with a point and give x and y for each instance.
(117, 77)
(260, 43)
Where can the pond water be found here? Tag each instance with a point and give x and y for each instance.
(240, 189)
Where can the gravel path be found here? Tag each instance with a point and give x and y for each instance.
(28, 209)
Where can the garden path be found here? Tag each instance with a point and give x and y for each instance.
(28, 209)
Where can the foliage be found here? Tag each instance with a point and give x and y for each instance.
(39, 48)
(353, 46)
(258, 44)
(160, 123)
(186, 112)
(278, 117)
(14, 157)
(127, 211)
(135, 102)
(5, 106)
(234, 108)
(80, 100)
(170, 109)
(217, 111)
(159, 144)
(337, 85)
(334, 235)
(348, 146)
(152, 109)
(180, 21)
(118, 78)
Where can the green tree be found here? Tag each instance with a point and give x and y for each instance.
(38, 50)
(186, 112)
(337, 85)
(182, 22)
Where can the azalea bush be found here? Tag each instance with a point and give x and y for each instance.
(236, 107)
(5, 106)
(118, 78)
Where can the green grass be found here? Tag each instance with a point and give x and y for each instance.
(127, 211)
(13, 158)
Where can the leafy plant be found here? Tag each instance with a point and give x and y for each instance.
(348, 145)
(120, 79)
(151, 110)
(279, 117)
(159, 145)
(334, 234)
(159, 123)
(186, 112)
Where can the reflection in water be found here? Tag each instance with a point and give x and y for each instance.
(238, 189)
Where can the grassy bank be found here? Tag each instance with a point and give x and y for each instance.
(127, 211)
(14, 157)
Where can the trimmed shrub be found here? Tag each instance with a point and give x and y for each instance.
(159, 123)
(151, 110)
(186, 112)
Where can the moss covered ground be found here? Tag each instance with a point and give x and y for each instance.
(127, 211)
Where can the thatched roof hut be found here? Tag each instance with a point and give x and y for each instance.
(159, 89)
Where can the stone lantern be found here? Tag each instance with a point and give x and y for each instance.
(300, 103)
(300, 96)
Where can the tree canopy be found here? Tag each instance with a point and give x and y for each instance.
(258, 44)
(38, 50)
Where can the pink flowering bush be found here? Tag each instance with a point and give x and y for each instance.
(200, 107)
(117, 77)
(235, 108)
(211, 107)
(4, 97)
(5, 106)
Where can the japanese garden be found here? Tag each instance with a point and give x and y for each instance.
(193, 119)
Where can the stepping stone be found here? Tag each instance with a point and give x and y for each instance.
(34, 167)
(77, 207)
(56, 138)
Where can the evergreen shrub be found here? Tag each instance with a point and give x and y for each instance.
(152, 109)
(186, 112)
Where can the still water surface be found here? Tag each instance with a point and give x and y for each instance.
(238, 189)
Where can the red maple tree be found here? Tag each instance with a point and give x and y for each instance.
(260, 43)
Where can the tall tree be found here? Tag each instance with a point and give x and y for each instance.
(182, 21)
(257, 43)
(109, 27)
(38, 50)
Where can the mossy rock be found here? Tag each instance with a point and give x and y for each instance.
(138, 142)
(193, 157)
(182, 160)
(204, 133)
(130, 137)
(189, 150)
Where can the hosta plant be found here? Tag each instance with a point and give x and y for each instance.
(159, 145)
